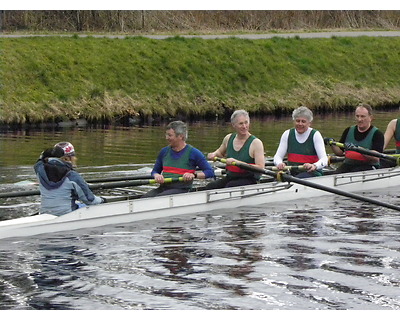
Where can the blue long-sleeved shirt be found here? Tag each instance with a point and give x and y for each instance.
(196, 160)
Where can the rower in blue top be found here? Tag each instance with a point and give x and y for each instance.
(178, 159)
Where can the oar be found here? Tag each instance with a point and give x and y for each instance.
(110, 185)
(15, 194)
(122, 178)
(287, 177)
(111, 179)
(96, 180)
(273, 168)
(392, 158)
(133, 183)
(335, 159)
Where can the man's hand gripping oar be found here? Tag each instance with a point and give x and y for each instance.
(394, 159)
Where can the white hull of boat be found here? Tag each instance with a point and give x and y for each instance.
(195, 202)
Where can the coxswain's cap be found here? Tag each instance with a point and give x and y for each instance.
(68, 148)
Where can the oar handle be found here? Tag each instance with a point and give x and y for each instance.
(172, 180)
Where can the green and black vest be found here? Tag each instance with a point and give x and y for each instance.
(356, 158)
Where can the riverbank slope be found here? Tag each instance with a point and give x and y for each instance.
(103, 79)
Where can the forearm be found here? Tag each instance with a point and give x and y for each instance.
(206, 171)
(371, 158)
(321, 153)
(217, 153)
(198, 160)
(336, 150)
(282, 149)
(157, 169)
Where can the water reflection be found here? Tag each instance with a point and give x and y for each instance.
(43, 275)
(245, 235)
(176, 252)
(300, 225)
(188, 257)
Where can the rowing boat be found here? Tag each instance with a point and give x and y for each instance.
(132, 210)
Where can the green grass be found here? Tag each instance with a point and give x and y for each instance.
(51, 78)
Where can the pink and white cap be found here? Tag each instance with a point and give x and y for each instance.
(68, 148)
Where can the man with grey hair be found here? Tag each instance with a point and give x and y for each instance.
(303, 146)
(178, 159)
(240, 146)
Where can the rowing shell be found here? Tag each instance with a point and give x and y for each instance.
(195, 202)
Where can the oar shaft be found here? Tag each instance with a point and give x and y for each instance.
(14, 194)
(289, 178)
(121, 184)
(122, 178)
(274, 168)
(338, 192)
(109, 185)
(133, 183)
(335, 159)
(367, 152)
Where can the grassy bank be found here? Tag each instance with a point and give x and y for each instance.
(56, 78)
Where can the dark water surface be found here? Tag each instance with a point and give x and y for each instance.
(329, 253)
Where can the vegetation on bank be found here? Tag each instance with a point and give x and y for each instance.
(194, 21)
(63, 78)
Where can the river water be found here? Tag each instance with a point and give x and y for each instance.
(330, 253)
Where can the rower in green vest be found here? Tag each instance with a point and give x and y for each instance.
(178, 159)
(363, 134)
(303, 145)
(393, 131)
(240, 146)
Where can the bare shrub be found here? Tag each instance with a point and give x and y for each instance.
(180, 21)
